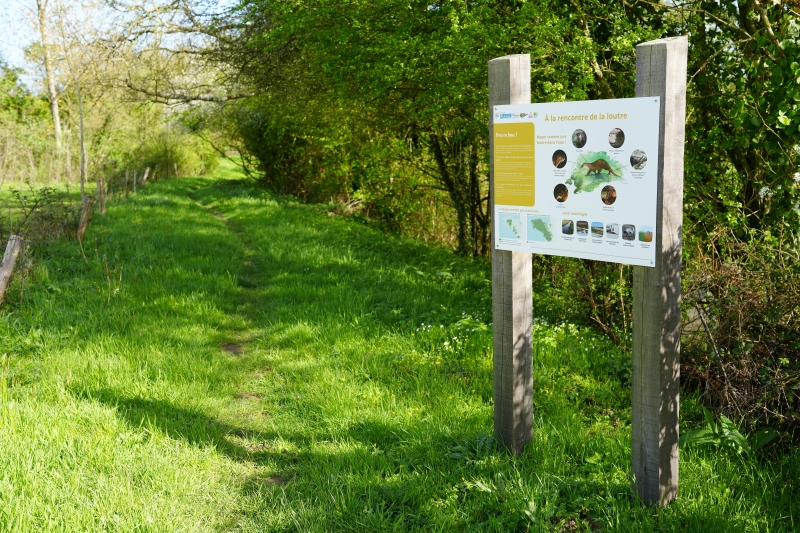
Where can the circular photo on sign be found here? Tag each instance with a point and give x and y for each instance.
(616, 138)
(559, 158)
(638, 159)
(578, 138)
(560, 193)
(608, 195)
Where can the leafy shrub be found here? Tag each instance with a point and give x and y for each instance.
(38, 215)
(189, 154)
(741, 332)
(592, 292)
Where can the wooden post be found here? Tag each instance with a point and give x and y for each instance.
(9, 260)
(101, 194)
(126, 184)
(175, 166)
(155, 167)
(144, 178)
(660, 71)
(510, 83)
(85, 214)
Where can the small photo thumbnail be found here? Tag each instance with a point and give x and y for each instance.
(612, 230)
(583, 228)
(616, 138)
(597, 230)
(567, 227)
(561, 193)
(578, 138)
(608, 195)
(646, 234)
(638, 159)
(559, 158)
(628, 232)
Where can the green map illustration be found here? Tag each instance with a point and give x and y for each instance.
(539, 229)
(510, 226)
(594, 169)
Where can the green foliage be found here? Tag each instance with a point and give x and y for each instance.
(397, 71)
(723, 434)
(168, 151)
(741, 167)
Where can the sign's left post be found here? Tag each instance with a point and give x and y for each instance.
(512, 314)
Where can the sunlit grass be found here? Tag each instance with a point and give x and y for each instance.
(227, 360)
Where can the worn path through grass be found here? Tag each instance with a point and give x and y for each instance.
(225, 360)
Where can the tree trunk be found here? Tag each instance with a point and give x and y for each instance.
(84, 156)
(453, 184)
(41, 8)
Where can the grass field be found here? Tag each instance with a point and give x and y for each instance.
(226, 360)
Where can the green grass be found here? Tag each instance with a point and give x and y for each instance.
(227, 360)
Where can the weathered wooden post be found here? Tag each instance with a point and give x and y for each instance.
(101, 194)
(85, 215)
(9, 260)
(510, 83)
(144, 178)
(660, 71)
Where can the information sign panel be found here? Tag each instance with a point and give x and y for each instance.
(578, 179)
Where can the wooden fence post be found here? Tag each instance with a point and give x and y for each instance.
(144, 178)
(510, 83)
(85, 214)
(660, 71)
(9, 260)
(101, 194)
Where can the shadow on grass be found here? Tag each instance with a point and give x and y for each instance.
(189, 425)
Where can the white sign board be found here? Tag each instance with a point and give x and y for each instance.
(577, 179)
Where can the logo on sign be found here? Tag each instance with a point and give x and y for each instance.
(505, 115)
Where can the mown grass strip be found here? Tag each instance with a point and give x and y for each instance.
(228, 360)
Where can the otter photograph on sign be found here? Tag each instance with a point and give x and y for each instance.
(599, 159)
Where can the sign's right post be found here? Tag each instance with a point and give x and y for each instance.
(660, 71)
